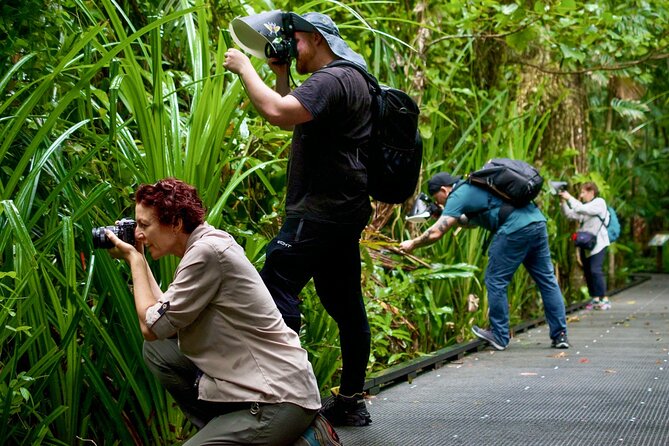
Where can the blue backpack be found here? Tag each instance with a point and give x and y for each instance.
(613, 227)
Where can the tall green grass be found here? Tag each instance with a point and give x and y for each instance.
(75, 146)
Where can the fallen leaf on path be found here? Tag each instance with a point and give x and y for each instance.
(610, 371)
(584, 360)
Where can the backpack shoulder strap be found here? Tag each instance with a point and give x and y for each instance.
(371, 80)
(607, 216)
(505, 209)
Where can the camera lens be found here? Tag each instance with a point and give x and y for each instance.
(283, 50)
(124, 230)
(100, 239)
(276, 51)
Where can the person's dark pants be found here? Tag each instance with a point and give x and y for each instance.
(594, 273)
(222, 423)
(330, 254)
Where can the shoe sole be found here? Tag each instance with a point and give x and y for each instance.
(356, 421)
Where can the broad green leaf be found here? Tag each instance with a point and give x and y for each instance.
(572, 53)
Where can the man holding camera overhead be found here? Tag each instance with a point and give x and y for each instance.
(519, 236)
(327, 204)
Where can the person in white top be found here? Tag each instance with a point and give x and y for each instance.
(591, 211)
(215, 339)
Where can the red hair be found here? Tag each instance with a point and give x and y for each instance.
(173, 201)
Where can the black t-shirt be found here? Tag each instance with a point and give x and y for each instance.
(327, 178)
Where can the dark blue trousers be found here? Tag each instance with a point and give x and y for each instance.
(594, 273)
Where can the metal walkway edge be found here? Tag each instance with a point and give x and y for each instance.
(610, 388)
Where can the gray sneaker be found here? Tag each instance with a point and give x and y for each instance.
(560, 341)
(487, 336)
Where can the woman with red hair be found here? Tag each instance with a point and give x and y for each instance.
(235, 368)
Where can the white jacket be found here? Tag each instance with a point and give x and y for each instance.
(594, 216)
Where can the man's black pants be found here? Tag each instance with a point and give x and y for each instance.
(330, 254)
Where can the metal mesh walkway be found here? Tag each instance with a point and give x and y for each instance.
(610, 388)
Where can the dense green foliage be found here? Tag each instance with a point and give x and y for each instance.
(97, 97)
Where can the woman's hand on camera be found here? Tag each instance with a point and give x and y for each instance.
(121, 249)
(564, 195)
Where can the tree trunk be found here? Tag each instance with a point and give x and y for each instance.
(567, 128)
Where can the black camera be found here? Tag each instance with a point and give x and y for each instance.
(423, 209)
(558, 186)
(270, 34)
(284, 50)
(125, 230)
(284, 46)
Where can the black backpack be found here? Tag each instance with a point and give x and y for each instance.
(514, 181)
(395, 146)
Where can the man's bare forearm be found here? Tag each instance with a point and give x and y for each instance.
(434, 233)
(282, 85)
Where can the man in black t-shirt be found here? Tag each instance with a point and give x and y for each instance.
(327, 204)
